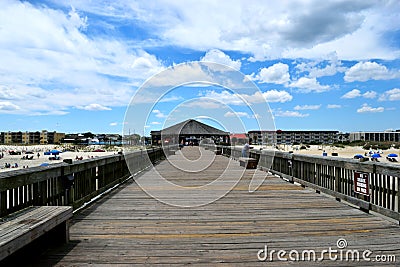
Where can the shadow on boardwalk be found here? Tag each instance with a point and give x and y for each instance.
(128, 227)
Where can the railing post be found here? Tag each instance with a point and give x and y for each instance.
(337, 182)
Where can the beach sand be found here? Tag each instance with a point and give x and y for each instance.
(347, 152)
(12, 159)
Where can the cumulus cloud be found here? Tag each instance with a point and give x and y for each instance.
(307, 107)
(331, 106)
(243, 99)
(159, 114)
(204, 102)
(308, 85)
(49, 57)
(368, 109)
(94, 107)
(370, 94)
(288, 113)
(277, 73)
(357, 93)
(277, 96)
(364, 71)
(231, 114)
(294, 29)
(215, 55)
(390, 95)
(321, 68)
(8, 106)
(352, 94)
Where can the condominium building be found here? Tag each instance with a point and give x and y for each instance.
(262, 137)
(386, 136)
(28, 138)
(293, 137)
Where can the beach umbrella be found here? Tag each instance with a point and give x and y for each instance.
(392, 155)
(376, 155)
(45, 164)
(358, 156)
(55, 152)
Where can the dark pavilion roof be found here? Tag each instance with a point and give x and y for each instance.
(191, 127)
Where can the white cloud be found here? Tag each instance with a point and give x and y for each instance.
(277, 73)
(321, 68)
(390, 95)
(277, 96)
(242, 99)
(333, 106)
(352, 94)
(155, 123)
(224, 97)
(204, 102)
(370, 94)
(293, 29)
(289, 113)
(236, 114)
(48, 57)
(113, 123)
(307, 107)
(215, 55)
(368, 109)
(94, 107)
(309, 85)
(364, 71)
(357, 93)
(8, 106)
(159, 114)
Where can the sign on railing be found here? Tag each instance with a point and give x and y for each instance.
(361, 183)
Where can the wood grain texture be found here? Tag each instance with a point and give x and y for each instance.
(18, 230)
(129, 228)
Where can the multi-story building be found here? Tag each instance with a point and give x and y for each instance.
(34, 137)
(262, 137)
(54, 137)
(386, 136)
(292, 137)
(26, 138)
(7, 138)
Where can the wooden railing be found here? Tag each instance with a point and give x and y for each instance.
(335, 176)
(69, 184)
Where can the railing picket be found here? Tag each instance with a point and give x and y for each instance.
(336, 176)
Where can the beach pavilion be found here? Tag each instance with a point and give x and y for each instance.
(189, 132)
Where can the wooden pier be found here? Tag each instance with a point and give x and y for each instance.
(127, 227)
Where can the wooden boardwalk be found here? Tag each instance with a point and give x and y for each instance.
(127, 227)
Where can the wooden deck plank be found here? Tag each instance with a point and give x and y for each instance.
(127, 227)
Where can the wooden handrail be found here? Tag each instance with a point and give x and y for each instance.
(69, 184)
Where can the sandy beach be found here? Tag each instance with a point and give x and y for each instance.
(346, 152)
(86, 153)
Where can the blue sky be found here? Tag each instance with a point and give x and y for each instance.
(74, 66)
